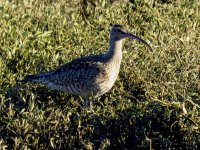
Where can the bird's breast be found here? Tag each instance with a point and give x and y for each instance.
(112, 71)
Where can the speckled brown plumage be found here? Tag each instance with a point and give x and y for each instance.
(91, 75)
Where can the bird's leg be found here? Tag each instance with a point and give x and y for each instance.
(88, 104)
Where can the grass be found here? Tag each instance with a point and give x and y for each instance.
(155, 102)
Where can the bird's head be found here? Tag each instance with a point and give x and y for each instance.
(118, 32)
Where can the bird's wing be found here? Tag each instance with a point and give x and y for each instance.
(80, 69)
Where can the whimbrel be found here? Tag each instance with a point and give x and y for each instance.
(89, 76)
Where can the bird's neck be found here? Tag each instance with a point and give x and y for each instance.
(115, 51)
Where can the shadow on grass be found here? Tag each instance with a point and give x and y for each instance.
(138, 127)
(132, 130)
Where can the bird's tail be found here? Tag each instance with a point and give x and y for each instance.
(30, 78)
(40, 78)
(33, 78)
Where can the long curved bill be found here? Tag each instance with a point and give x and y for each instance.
(131, 36)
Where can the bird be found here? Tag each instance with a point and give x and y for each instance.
(89, 76)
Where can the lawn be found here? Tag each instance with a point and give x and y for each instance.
(155, 102)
